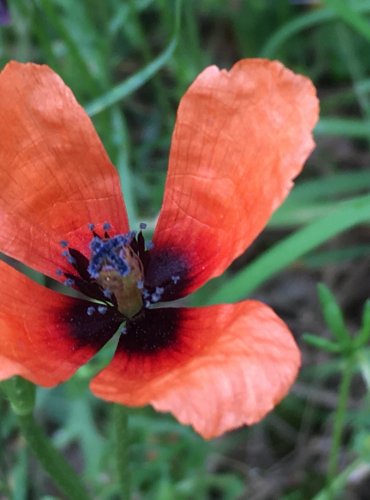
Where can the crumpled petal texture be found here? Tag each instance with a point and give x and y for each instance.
(40, 335)
(232, 365)
(55, 175)
(240, 138)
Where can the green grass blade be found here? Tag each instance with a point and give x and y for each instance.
(341, 480)
(132, 83)
(350, 17)
(347, 127)
(314, 198)
(306, 21)
(333, 315)
(320, 259)
(347, 215)
(127, 87)
(122, 162)
(356, 68)
(293, 27)
(53, 17)
(329, 187)
(299, 214)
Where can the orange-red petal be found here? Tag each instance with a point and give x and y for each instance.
(215, 368)
(240, 138)
(45, 336)
(55, 175)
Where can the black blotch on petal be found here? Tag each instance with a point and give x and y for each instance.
(89, 288)
(80, 263)
(93, 331)
(169, 270)
(153, 331)
(85, 284)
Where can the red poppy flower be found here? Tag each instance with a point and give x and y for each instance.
(239, 140)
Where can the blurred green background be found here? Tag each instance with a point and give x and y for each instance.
(128, 63)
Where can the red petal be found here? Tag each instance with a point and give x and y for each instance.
(45, 336)
(240, 139)
(55, 175)
(222, 367)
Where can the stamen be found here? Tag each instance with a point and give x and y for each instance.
(68, 256)
(156, 296)
(140, 284)
(107, 226)
(175, 279)
(90, 310)
(96, 244)
(149, 245)
(143, 225)
(102, 309)
(123, 331)
(91, 226)
(59, 272)
(69, 282)
(63, 243)
(116, 266)
(108, 254)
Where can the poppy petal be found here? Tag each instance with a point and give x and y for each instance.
(240, 139)
(215, 367)
(55, 175)
(46, 336)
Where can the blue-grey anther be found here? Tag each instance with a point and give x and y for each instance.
(90, 310)
(117, 269)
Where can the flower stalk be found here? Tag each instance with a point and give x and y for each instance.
(52, 461)
(120, 418)
(21, 396)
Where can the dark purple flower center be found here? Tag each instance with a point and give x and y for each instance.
(114, 274)
(125, 277)
(119, 271)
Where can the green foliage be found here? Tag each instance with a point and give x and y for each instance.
(351, 349)
(20, 394)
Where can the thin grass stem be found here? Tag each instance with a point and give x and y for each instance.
(339, 422)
